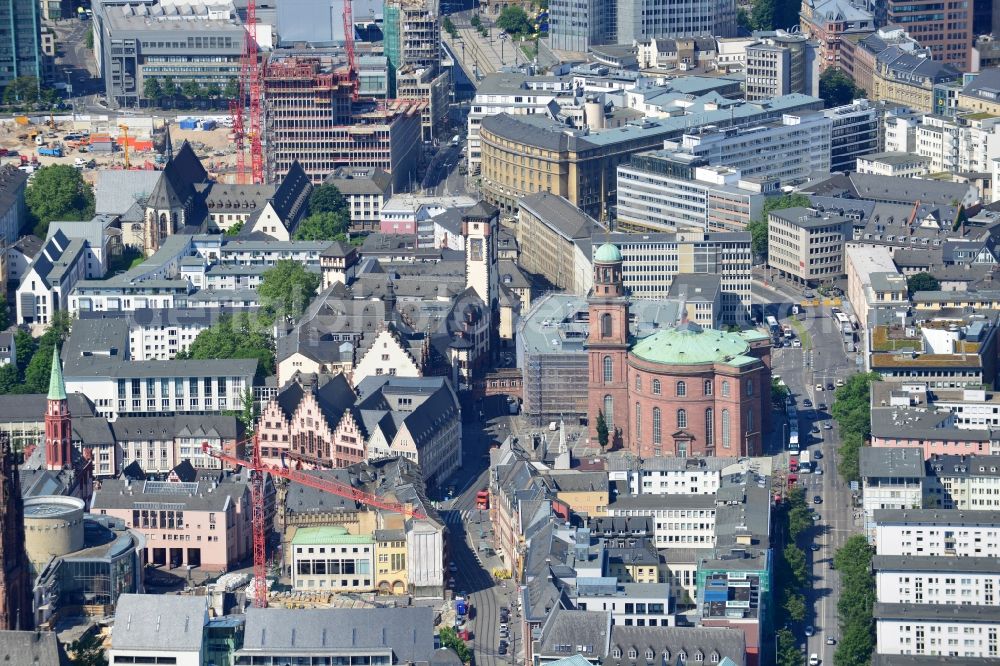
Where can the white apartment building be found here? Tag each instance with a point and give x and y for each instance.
(974, 409)
(679, 521)
(806, 244)
(631, 604)
(890, 479)
(669, 476)
(900, 130)
(160, 334)
(964, 482)
(789, 150)
(922, 580)
(898, 165)
(937, 532)
(966, 143)
(937, 138)
(937, 630)
(652, 260)
(671, 191)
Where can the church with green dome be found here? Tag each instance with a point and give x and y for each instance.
(682, 391)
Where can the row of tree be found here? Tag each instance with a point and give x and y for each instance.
(34, 358)
(856, 603)
(852, 412)
(27, 91)
(792, 519)
(155, 89)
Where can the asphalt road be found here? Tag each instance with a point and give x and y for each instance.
(802, 369)
(467, 529)
(442, 177)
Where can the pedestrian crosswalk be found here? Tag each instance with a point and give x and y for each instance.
(465, 517)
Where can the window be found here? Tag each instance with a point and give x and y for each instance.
(656, 425)
(709, 427)
(608, 369)
(725, 389)
(638, 422)
(725, 428)
(749, 421)
(609, 412)
(638, 382)
(681, 389)
(606, 325)
(656, 387)
(750, 387)
(682, 418)
(708, 387)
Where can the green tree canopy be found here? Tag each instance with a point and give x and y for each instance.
(758, 226)
(169, 86)
(58, 192)
(36, 374)
(25, 347)
(602, 430)
(796, 559)
(151, 88)
(788, 650)
(922, 282)
(795, 605)
(191, 89)
(232, 88)
(327, 198)
(22, 90)
(449, 639)
(286, 289)
(851, 410)
(774, 14)
(87, 651)
(837, 88)
(514, 21)
(857, 599)
(323, 227)
(235, 339)
(449, 26)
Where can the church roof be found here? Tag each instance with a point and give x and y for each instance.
(690, 344)
(57, 387)
(608, 254)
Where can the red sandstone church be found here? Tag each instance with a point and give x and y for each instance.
(684, 391)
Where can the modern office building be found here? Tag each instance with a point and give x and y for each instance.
(788, 150)
(525, 154)
(675, 191)
(576, 25)
(781, 63)
(313, 120)
(949, 39)
(412, 30)
(21, 46)
(855, 132)
(186, 42)
(807, 245)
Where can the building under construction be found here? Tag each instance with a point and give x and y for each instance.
(312, 118)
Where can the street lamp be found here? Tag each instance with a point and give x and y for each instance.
(503, 38)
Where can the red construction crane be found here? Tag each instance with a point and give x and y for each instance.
(250, 88)
(259, 468)
(352, 69)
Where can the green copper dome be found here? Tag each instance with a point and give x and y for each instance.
(690, 344)
(608, 254)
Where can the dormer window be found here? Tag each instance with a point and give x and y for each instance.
(649, 654)
(617, 653)
(632, 654)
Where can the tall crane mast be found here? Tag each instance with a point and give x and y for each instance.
(258, 469)
(247, 128)
(352, 68)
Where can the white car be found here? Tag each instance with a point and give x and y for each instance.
(796, 343)
(814, 659)
(819, 387)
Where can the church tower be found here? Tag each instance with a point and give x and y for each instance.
(480, 226)
(58, 424)
(607, 347)
(15, 577)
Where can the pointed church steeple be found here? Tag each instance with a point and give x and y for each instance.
(58, 424)
(168, 146)
(57, 387)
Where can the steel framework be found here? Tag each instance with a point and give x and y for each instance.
(247, 127)
(258, 469)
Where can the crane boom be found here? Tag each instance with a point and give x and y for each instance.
(352, 68)
(258, 469)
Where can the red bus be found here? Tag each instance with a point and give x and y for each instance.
(483, 499)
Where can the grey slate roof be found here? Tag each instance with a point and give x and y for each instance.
(128, 428)
(560, 215)
(407, 632)
(28, 407)
(30, 648)
(147, 622)
(176, 185)
(986, 85)
(709, 641)
(117, 191)
(894, 462)
(937, 612)
(198, 495)
(360, 180)
(937, 517)
(695, 287)
(990, 565)
(567, 632)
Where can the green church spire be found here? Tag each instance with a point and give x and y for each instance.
(57, 387)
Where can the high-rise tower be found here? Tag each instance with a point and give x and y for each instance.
(15, 577)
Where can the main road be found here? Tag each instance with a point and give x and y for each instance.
(821, 360)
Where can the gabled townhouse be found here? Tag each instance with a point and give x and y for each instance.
(280, 216)
(47, 283)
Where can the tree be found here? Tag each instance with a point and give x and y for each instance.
(169, 87)
(758, 226)
(799, 519)
(22, 90)
(235, 229)
(151, 88)
(851, 410)
(857, 600)
(286, 289)
(922, 282)
(88, 40)
(774, 14)
(449, 27)
(836, 88)
(87, 651)
(248, 415)
(796, 560)
(190, 89)
(514, 21)
(58, 192)
(449, 639)
(778, 391)
(323, 227)
(213, 90)
(25, 346)
(476, 22)
(9, 380)
(795, 605)
(229, 339)
(602, 430)
(327, 199)
(788, 652)
(232, 89)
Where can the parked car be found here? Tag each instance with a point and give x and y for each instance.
(807, 403)
(818, 455)
(816, 518)
(827, 426)
(814, 659)
(817, 499)
(810, 631)
(830, 640)
(815, 547)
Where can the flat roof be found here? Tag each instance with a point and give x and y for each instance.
(937, 612)
(937, 517)
(934, 564)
